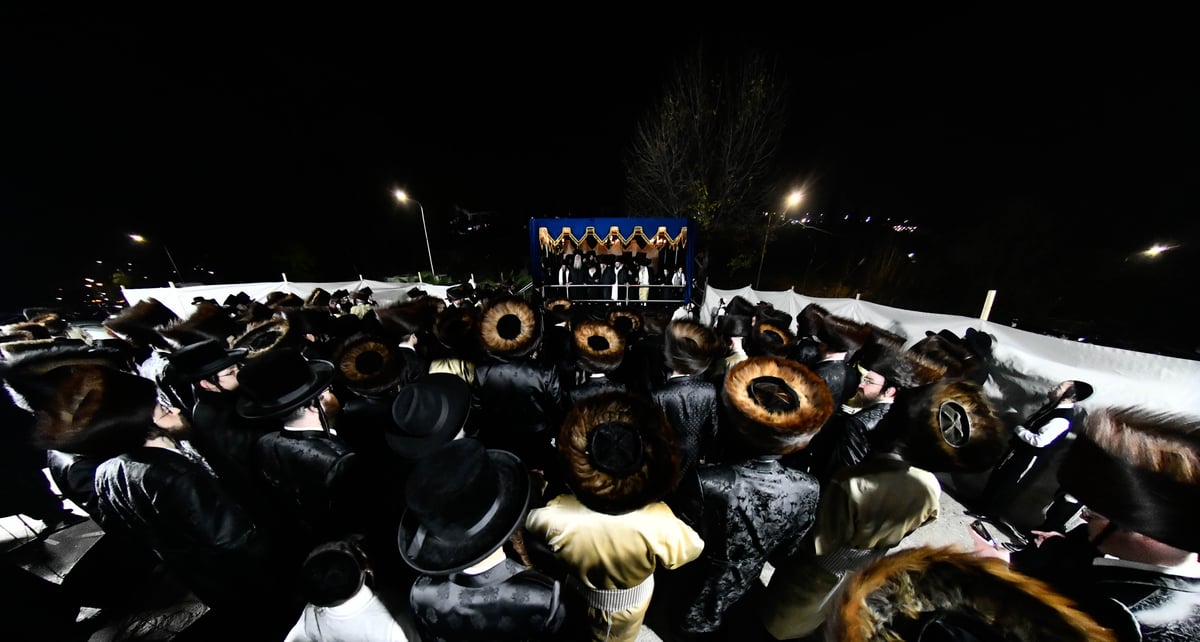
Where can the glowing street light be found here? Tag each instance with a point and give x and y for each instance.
(138, 238)
(791, 201)
(1157, 249)
(403, 197)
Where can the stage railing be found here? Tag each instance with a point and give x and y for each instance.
(626, 293)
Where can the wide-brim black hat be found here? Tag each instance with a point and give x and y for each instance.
(427, 413)
(464, 502)
(204, 359)
(779, 405)
(280, 381)
(510, 328)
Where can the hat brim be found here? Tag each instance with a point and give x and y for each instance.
(457, 409)
(438, 556)
(320, 375)
(213, 367)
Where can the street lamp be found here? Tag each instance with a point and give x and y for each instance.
(792, 200)
(138, 238)
(402, 197)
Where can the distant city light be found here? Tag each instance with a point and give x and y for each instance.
(904, 228)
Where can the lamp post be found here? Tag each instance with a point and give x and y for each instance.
(792, 200)
(402, 197)
(138, 238)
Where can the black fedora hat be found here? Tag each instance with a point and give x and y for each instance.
(279, 381)
(204, 359)
(428, 413)
(464, 502)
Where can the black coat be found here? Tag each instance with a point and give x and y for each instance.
(175, 507)
(318, 482)
(690, 405)
(506, 602)
(745, 513)
(520, 405)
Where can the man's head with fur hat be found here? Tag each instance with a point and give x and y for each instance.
(598, 346)
(510, 328)
(1140, 469)
(625, 321)
(619, 451)
(207, 321)
(87, 407)
(690, 347)
(840, 334)
(778, 405)
(769, 339)
(941, 594)
(947, 426)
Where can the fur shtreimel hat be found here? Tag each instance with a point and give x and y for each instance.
(843, 335)
(740, 306)
(280, 381)
(457, 329)
(87, 407)
(139, 324)
(33, 329)
(627, 322)
(368, 365)
(690, 347)
(263, 337)
(402, 319)
(619, 451)
(809, 319)
(463, 503)
(280, 300)
(234, 300)
(902, 369)
(558, 310)
(769, 339)
(207, 321)
(510, 328)
(734, 325)
(777, 318)
(1140, 469)
(779, 405)
(318, 298)
(940, 594)
(947, 426)
(599, 347)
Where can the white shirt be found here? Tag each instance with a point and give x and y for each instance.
(1051, 431)
(362, 618)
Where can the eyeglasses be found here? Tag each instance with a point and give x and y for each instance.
(231, 371)
(870, 382)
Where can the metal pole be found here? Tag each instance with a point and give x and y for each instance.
(172, 260)
(987, 305)
(763, 254)
(432, 272)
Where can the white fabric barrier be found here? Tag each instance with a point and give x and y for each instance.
(1025, 364)
(179, 300)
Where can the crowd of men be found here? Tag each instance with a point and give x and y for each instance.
(487, 466)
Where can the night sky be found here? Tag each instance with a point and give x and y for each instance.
(232, 145)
